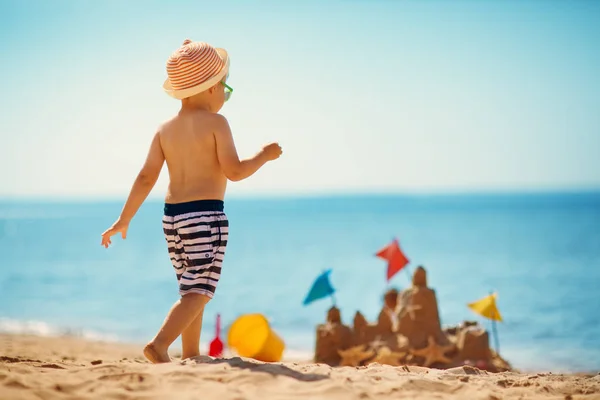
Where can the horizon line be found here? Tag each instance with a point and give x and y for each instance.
(326, 194)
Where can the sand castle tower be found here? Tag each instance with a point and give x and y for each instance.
(331, 336)
(388, 316)
(418, 312)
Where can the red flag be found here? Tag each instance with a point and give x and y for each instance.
(215, 348)
(395, 258)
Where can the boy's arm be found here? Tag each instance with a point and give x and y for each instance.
(233, 168)
(142, 186)
(145, 180)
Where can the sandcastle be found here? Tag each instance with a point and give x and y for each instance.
(407, 332)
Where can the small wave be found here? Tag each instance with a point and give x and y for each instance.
(40, 328)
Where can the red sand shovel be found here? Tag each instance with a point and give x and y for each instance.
(215, 348)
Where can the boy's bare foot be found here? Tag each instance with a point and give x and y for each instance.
(155, 356)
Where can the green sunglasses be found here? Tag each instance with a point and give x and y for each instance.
(228, 90)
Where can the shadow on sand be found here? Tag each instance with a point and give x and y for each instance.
(256, 366)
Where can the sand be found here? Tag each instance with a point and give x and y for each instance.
(70, 368)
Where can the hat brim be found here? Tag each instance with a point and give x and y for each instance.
(189, 92)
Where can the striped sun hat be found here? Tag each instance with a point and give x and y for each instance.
(193, 68)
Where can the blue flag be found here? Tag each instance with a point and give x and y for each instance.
(321, 288)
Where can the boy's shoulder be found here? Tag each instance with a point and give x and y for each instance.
(213, 121)
(196, 114)
(165, 125)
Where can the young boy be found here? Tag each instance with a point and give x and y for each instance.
(201, 156)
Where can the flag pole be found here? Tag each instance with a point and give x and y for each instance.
(332, 294)
(495, 332)
(494, 329)
(409, 274)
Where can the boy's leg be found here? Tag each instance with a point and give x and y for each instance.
(197, 261)
(207, 277)
(190, 338)
(183, 312)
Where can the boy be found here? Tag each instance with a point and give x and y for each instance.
(201, 156)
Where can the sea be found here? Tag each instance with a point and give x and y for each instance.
(540, 252)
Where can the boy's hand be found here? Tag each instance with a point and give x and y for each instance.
(117, 227)
(272, 151)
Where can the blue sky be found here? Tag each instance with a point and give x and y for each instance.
(362, 95)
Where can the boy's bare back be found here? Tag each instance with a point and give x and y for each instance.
(201, 156)
(188, 142)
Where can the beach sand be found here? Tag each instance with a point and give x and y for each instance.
(34, 367)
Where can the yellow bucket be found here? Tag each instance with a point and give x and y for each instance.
(251, 336)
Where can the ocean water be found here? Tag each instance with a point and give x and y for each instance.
(540, 252)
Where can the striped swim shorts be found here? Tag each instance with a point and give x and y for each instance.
(196, 234)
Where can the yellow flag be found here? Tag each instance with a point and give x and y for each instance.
(486, 307)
